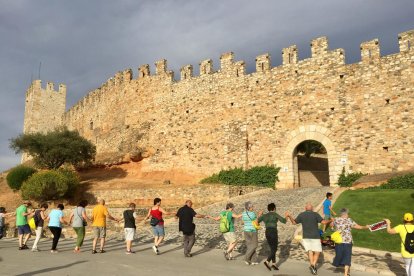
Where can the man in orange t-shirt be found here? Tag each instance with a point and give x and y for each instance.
(99, 215)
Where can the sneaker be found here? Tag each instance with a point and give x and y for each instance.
(155, 249)
(254, 263)
(313, 270)
(275, 267)
(53, 251)
(20, 248)
(128, 252)
(267, 265)
(25, 247)
(35, 250)
(246, 262)
(102, 251)
(226, 255)
(94, 251)
(158, 252)
(188, 255)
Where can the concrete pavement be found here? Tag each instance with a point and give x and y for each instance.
(171, 261)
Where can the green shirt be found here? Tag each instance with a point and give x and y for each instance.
(271, 219)
(20, 219)
(230, 219)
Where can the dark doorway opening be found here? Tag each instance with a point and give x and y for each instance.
(311, 167)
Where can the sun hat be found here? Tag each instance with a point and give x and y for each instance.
(408, 217)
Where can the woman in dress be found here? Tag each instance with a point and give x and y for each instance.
(343, 251)
(78, 219)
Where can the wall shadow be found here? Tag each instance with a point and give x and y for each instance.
(102, 174)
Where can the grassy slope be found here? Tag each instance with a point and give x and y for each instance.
(370, 206)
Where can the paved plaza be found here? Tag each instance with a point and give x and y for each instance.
(144, 262)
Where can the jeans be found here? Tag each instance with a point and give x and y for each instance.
(409, 266)
(272, 240)
(189, 241)
(38, 232)
(56, 231)
(251, 244)
(80, 233)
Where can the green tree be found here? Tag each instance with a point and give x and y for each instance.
(310, 147)
(53, 149)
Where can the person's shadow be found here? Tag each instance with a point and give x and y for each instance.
(284, 252)
(50, 269)
(394, 265)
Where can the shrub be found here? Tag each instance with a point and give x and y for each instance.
(72, 180)
(236, 176)
(399, 182)
(18, 175)
(346, 179)
(48, 185)
(265, 176)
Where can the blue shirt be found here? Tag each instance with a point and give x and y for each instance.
(326, 207)
(55, 216)
(248, 217)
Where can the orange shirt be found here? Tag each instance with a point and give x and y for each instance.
(99, 214)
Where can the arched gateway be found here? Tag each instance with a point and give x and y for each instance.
(288, 175)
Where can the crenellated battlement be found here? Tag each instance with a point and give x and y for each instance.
(186, 72)
(263, 63)
(406, 41)
(370, 51)
(320, 53)
(36, 87)
(290, 55)
(319, 46)
(206, 67)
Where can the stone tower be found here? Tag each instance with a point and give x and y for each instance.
(44, 108)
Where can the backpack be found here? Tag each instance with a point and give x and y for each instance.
(224, 223)
(409, 241)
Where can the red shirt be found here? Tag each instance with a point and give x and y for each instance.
(158, 215)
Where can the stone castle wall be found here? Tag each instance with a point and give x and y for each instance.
(360, 112)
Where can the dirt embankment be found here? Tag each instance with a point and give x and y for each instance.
(119, 177)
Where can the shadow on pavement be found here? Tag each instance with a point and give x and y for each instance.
(394, 265)
(50, 269)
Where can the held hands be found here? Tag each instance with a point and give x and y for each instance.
(387, 221)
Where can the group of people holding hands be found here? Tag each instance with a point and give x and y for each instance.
(309, 219)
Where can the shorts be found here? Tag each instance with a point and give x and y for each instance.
(230, 237)
(99, 232)
(158, 230)
(312, 245)
(24, 229)
(129, 234)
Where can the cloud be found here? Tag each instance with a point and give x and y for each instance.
(83, 43)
